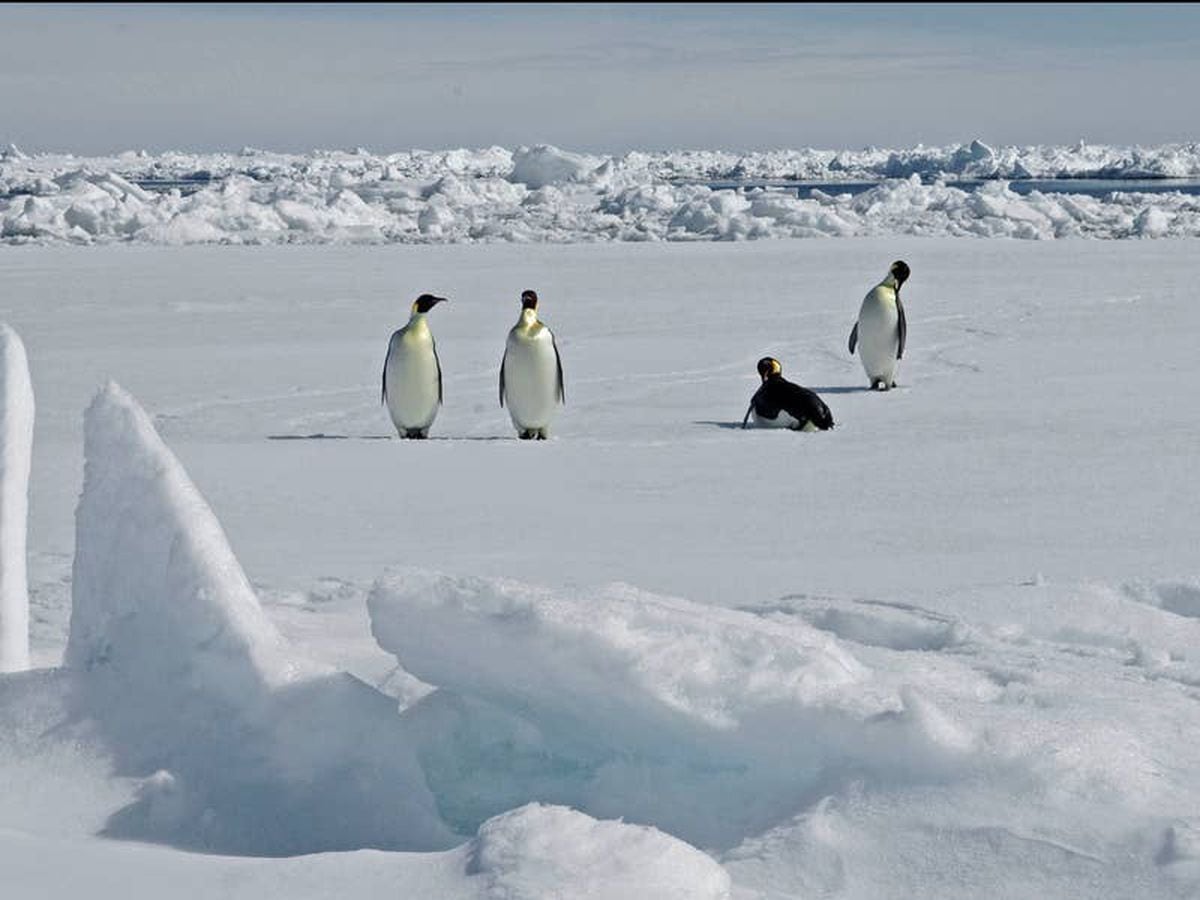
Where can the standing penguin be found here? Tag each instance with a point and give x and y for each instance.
(881, 329)
(412, 373)
(531, 373)
(780, 404)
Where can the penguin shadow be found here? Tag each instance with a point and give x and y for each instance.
(321, 436)
(843, 389)
(733, 425)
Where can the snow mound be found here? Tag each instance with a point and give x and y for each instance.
(240, 745)
(709, 723)
(16, 449)
(538, 851)
(536, 167)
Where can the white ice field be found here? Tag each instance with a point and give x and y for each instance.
(949, 649)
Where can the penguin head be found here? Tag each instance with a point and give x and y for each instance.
(425, 303)
(768, 366)
(528, 299)
(899, 272)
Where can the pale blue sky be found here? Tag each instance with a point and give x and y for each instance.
(597, 77)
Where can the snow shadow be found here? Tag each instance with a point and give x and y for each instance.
(843, 389)
(319, 766)
(329, 437)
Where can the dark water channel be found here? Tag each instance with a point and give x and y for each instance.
(1092, 187)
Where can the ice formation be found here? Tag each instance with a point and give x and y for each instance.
(542, 193)
(16, 448)
(242, 745)
(708, 723)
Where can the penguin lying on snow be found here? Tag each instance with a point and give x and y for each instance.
(780, 404)
(531, 373)
(881, 329)
(412, 374)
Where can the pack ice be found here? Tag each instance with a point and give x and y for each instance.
(543, 193)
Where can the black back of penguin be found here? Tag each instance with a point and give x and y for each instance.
(777, 395)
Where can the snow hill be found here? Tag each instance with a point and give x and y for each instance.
(543, 193)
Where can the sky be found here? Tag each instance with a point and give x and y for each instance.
(101, 79)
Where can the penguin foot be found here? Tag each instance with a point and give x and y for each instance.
(879, 385)
(528, 434)
(416, 434)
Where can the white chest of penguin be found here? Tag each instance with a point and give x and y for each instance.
(877, 332)
(783, 420)
(530, 373)
(412, 376)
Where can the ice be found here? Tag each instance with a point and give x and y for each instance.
(241, 744)
(537, 167)
(729, 715)
(139, 505)
(546, 194)
(16, 451)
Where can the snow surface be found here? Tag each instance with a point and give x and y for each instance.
(543, 193)
(16, 456)
(948, 649)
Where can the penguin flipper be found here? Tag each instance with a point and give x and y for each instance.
(383, 377)
(853, 338)
(746, 418)
(562, 394)
(503, 359)
(437, 362)
(901, 327)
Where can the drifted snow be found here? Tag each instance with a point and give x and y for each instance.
(16, 449)
(538, 852)
(543, 193)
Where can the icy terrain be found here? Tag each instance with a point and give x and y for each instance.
(948, 649)
(16, 439)
(544, 194)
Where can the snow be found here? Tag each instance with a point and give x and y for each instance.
(152, 568)
(241, 745)
(948, 649)
(16, 455)
(546, 194)
(538, 851)
(667, 711)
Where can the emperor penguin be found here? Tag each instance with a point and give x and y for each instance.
(881, 329)
(412, 373)
(531, 373)
(778, 403)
